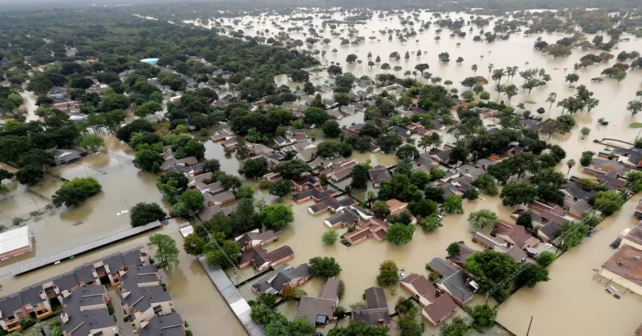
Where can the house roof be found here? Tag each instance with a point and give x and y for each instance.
(626, 263)
(517, 234)
(330, 289)
(9, 304)
(395, 206)
(379, 174)
(347, 216)
(579, 208)
(550, 229)
(167, 325)
(375, 298)
(260, 236)
(372, 316)
(488, 240)
(635, 234)
(456, 284)
(443, 267)
(441, 308)
(422, 286)
(465, 252)
(310, 308)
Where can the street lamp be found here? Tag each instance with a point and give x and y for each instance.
(36, 203)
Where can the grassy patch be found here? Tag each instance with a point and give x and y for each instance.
(529, 102)
(635, 125)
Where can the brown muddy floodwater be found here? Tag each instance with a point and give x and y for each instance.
(571, 303)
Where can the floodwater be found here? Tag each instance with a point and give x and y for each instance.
(570, 303)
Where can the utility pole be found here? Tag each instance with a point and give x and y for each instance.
(529, 326)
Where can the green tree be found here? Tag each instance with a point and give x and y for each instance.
(144, 213)
(471, 194)
(491, 268)
(193, 201)
(292, 169)
(148, 108)
(545, 258)
(430, 224)
(245, 191)
(359, 176)
(457, 327)
(315, 116)
(193, 244)
(280, 188)
(571, 234)
(608, 202)
(486, 183)
(515, 193)
(166, 255)
(407, 152)
(324, 267)
(483, 219)
(525, 219)
(220, 251)
(423, 207)
(453, 249)
(358, 329)
(389, 142)
(531, 274)
(586, 159)
(380, 209)
(331, 129)
(147, 159)
(76, 191)
(330, 237)
(276, 216)
(484, 316)
(30, 175)
(90, 142)
(388, 274)
(254, 168)
(453, 204)
(333, 149)
(400, 234)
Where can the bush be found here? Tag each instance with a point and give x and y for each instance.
(17, 220)
(27, 322)
(330, 237)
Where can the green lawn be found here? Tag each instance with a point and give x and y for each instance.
(635, 125)
(529, 102)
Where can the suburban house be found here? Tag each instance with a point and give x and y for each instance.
(306, 181)
(624, 268)
(601, 167)
(378, 175)
(373, 227)
(500, 245)
(440, 156)
(255, 239)
(330, 289)
(460, 258)
(220, 198)
(345, 217)
(223, 135)
(85, 312)
(262, 260)
(354, 129)
(454, 281)
(332, 204)
(171, 324)
(377, 313)
(210, 211)
(142, 296)
(419, 287)
(282, 277)
(340, 172)
(396, 207)
(439, 310)
(315, 194)
(514, 234)
(62, 156)
(403, 133)
(316, 310)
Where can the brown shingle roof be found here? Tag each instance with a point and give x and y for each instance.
(441, 308)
